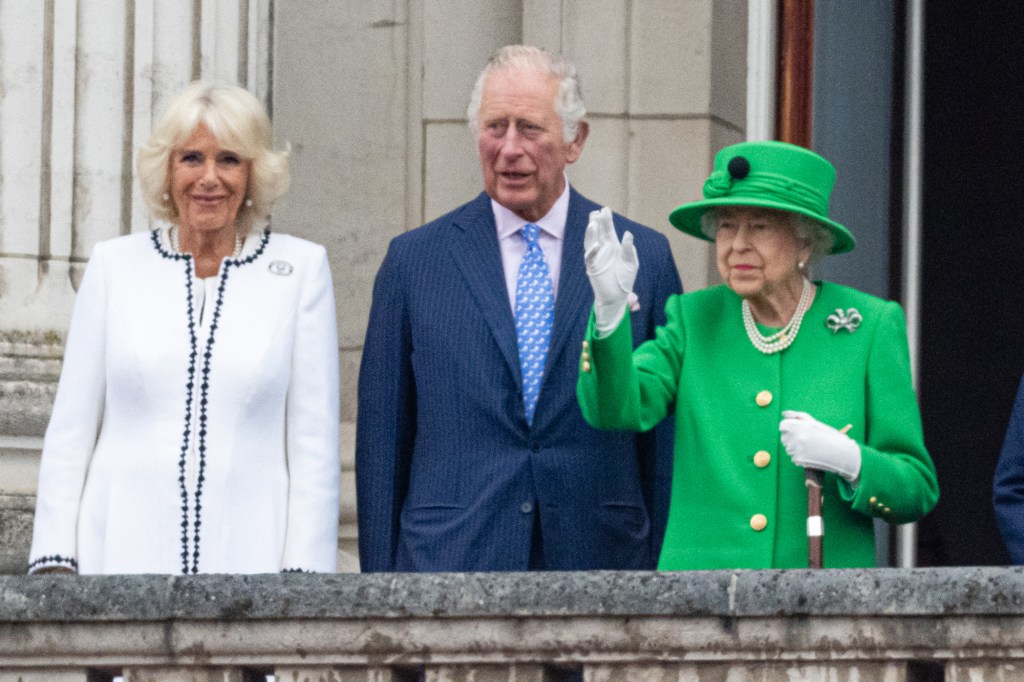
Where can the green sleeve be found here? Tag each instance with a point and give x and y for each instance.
(626, 390)
(897, 477)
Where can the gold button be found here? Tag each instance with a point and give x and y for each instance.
(763, 399)
(873, 500)
(762, 458)
(586, 356)
(758, 521)
(586, 366)
(586, 344)
(887, 510)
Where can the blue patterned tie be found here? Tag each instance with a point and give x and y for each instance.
(535, 313)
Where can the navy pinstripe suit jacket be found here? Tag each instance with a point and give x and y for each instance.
(449, 474)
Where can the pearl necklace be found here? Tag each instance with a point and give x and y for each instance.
(173, 235)
(784, 338)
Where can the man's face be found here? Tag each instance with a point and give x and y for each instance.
(522, 151)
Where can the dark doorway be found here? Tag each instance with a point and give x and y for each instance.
(972, 335)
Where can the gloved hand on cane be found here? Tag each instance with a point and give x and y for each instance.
(812, 444)
(611, 267)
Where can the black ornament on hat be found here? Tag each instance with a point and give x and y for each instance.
(739, 167)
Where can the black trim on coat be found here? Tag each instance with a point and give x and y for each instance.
(204, 387)
(55, 559)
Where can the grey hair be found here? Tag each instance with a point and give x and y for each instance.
(568, 101)
(239, 123)
(806, 229)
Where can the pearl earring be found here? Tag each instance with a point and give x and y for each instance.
(248, 203)
(165, 196)
(801, 265)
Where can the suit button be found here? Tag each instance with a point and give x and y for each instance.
(526, 507)
(763, 399)
(535, 447)
(758, 521)
(762, 458)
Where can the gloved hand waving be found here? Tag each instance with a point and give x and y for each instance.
(819, 446)
(611, 267)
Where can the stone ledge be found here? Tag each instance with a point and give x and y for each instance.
(32, 344)
(716, 594)
(15, 532)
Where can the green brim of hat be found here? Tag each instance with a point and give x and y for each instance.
(688, 218)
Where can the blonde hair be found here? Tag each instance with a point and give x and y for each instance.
(237, 120)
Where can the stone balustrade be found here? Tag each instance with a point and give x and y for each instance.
(723, 626)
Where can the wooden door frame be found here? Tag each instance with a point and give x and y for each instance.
(795, 75)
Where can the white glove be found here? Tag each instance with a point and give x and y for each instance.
(814, 445)
(611, 267)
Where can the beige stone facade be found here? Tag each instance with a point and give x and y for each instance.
(371, 97)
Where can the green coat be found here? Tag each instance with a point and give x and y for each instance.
(730, 464)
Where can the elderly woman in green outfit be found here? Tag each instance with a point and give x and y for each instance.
(767, 375)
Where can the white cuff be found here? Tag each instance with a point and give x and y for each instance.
(608, 318)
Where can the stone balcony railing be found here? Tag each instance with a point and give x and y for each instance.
(743, 626)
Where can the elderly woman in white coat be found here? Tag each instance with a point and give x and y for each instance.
(195, 428)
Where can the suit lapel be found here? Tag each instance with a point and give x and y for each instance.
(477, 254)
(575, 297)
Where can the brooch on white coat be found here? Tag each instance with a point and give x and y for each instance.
(848, 320)
(280, 267)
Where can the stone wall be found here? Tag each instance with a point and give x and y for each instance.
(836, 625)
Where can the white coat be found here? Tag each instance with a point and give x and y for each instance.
(192, 434)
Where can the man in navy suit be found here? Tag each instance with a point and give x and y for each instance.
(460, 465)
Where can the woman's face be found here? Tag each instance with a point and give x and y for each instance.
(208, 183)
(758, 251)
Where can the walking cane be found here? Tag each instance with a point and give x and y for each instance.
(815, 525)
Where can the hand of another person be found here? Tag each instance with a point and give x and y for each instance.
(611, 267)
(815, 445)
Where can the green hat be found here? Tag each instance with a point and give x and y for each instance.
(767, 174)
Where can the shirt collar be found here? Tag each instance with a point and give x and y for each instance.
(553, 222)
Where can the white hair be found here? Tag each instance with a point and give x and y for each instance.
(806, 229)
(569, 100)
